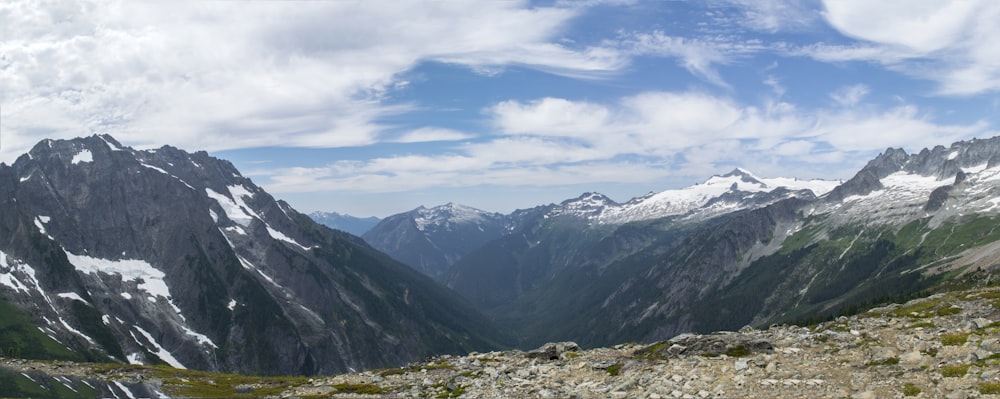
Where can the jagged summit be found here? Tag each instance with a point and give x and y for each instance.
(148, 256)
(743, 174)
(940, 163)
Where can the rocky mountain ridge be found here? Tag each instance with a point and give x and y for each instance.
(168, 257)
(946, 345)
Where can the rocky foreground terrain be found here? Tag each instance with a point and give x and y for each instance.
(943, 346)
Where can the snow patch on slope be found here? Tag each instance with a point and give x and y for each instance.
(72, 296)
(148, 166)
(10, 266)
(150, 278)
(282, 237)
(40, 223)
(157, 349)
(7, 277)
(899, 187)
(238, 211)
(83, 156)
(235, 211)
(201, 338)
(77, 332)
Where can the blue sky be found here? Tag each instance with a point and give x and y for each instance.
(375, 108)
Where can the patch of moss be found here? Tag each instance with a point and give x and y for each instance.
(364, 389)
(985, 295)
(652, 352)
(955, 370)
(454, 393)
(470, 374)
(737, 351)
(887, 362)
(572, 355)
(204, 384)
(449, 390)
(948, 311)
(989, 388)
(395, 371)
(930, 307)
(922, 324)
(615, 369)
(954, 339)
(911, 390)
(991, 360)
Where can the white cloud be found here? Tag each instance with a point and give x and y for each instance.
(223, 75)
(696, 56)
(427, 134)
(776, 87)
(854, 52)
(921, 26)
(849, 96)
(952, 43)
(776, 15)
(699, 56)
(794, 148)
(645, 137)
(851, 130)
(552, 117)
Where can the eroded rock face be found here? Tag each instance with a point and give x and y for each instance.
(553, 351)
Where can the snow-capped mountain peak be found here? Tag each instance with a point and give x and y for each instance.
(446, 215)
(719, 193)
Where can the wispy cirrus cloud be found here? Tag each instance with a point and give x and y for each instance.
(777, 15)
(699, 56)
(430, 134)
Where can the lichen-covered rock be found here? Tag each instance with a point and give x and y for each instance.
(552, 350)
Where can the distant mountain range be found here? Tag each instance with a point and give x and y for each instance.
(735, 250)
(432, 240)
(348, 223)
(169, 257)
